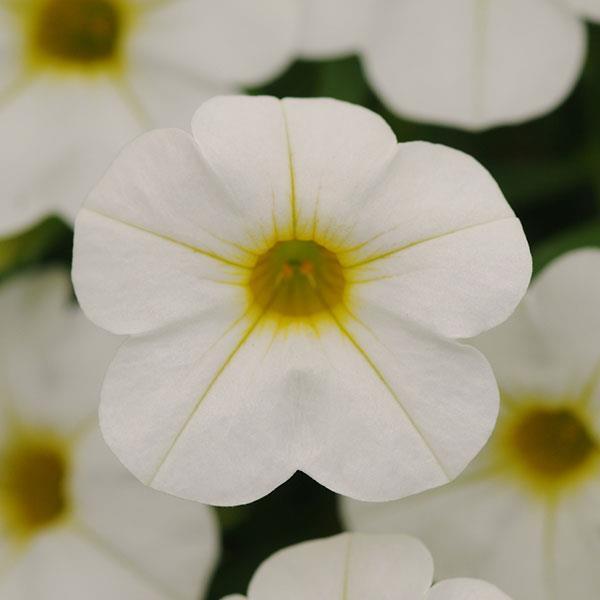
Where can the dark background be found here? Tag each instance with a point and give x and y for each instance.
(549, 170)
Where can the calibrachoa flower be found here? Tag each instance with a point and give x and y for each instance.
(355, 567)
(525, 515)
(472, 64)
(293, 281)
(80, 78)
(74, 522)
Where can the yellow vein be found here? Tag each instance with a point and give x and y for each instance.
(209, 387)
(381, 377)
(292, 171)
(103, 546)
(424, 241)
(166, 238)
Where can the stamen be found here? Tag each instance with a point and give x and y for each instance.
(297, 279)
(552, 444)
(32, 484)
(77, 32)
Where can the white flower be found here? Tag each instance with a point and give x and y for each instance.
(357, 567)
(80, 78)
(292, 280)
(74, 524)
(467, 63)
(525, 515)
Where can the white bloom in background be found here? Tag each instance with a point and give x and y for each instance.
(356, 567)
(467, 63)
(525, 514)
(293, 280)
(74, 524)
(80, 78)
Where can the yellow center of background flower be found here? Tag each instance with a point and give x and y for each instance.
(297, 279)
(33, 491)
(77, 33)
(552, 445)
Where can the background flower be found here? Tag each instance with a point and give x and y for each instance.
(79, 78)
(293, 280)
(456, 62)
(74, 523)
(354, 567)
(525, 513)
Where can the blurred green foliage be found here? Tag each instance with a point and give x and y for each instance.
(549, 170)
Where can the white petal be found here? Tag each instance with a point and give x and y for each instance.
(165, 96)
(229, 41)
(437, 243)
(549, 347)
(144, 249)
(589, 9)
(574, 544)
(58, 137)
(171, 542)
(201, 411)
(67, 564)
(407, 413)
(334, 27)
(483, 527)
(245, 142)
(337, 152)
(346, 566)
(474, 64)
(465, 589)
(47, 379)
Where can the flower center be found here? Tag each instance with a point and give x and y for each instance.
(553, 443)
(297, 279)
(80, 32)
(32, 485)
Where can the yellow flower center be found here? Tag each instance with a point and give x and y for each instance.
(33, 484)
(76, 33)
(552, 444)
(297, 279)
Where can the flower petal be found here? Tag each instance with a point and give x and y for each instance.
(474, 64)
(144, 253)
(465, 589)
(67, 564)
(549, 347)
(337, 152)
(573, 544)
(589, 9)
(334, 28)
(416, 409)
(172, 542)
(499, 529)
(45, 377)
(451, 255)
(346, 566)
(46, 170)
(206, 414)
(245, 142)
(230, 41)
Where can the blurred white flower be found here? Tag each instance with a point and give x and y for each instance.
(74, 524)
(525, 514)
(293, 280)
(467, 63)
(80, 78)
(356, 567)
